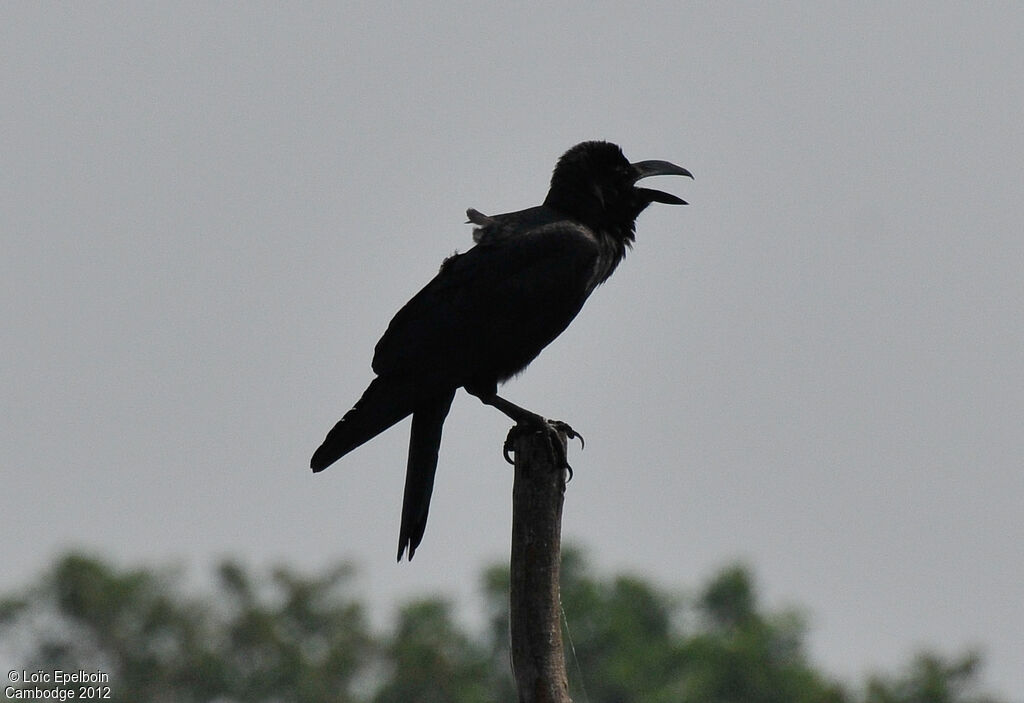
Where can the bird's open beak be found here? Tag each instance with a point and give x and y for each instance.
(643, 169)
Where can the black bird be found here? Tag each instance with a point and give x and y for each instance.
(490, 311)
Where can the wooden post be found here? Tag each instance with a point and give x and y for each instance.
(538, 659)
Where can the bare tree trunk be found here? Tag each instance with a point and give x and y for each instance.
(538, 660)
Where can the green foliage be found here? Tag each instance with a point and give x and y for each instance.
(288, 638)
(431, 660)
(931, 679)
(285, 637)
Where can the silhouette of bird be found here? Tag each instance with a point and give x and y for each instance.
(491, 310)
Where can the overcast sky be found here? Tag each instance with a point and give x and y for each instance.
(210, 213)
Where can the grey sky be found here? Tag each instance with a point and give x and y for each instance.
(209, 214)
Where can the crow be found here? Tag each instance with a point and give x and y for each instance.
(491, 310)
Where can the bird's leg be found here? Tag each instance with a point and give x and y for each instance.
(527, 421)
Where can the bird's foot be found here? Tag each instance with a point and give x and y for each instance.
(551, 430)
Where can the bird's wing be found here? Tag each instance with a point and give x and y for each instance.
(491, 229)
(491, 310)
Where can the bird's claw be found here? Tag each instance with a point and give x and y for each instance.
(551, 430)
(568, 431)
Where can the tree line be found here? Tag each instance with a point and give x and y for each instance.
(282, 636)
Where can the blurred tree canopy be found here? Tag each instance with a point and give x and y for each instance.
(285, 637)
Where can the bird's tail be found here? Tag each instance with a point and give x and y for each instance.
(424, 442)
(384, 402)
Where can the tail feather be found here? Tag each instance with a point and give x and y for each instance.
(383, 403)
(424, 442)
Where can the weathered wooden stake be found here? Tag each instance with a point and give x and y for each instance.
(538, 659)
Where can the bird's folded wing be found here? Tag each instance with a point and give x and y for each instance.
(495, 307)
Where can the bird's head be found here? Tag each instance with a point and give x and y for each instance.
(595, 184)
